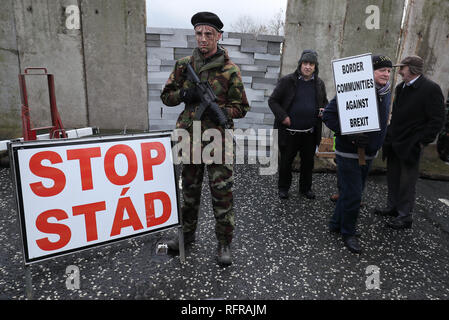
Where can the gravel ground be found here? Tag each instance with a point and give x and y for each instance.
(282, 250)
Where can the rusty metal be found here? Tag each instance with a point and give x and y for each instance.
(56, 130)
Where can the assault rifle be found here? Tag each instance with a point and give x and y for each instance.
(208, 99)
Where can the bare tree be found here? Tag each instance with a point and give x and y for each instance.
(246, 24)
(276, 24)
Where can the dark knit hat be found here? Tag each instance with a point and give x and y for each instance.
(308, 55)
(381, 61)
(415, 63)
(207, 18)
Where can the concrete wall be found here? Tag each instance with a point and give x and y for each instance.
(427, 35)
(336, 29)
(99, 68)
(257, 56)
(10, 125)
(44, 41)
(115, 55)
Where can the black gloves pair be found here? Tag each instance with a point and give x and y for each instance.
(360, 140)
(189, 96)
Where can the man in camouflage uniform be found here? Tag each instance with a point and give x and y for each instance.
(211, 63)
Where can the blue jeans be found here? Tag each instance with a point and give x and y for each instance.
(351, 180)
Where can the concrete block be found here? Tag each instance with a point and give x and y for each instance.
(183, 51)
(160, 53)
(241, 55)
(263, 86)
(153, 62)
(241, 61)
(273, 69)
(254, 115)
(241, 35)
(160, 30)
(254, 95)
(247, 67)
(268, 63)
(274, 48)
(165, 62)
(259, 109)
(153, 43)
(153, 37)
(154, 68)
(231, 48)
(249, 45)
(174, 44)
(166, 68)
(267, 56)
(271, 38)
(264, 80)
(272, 76)
(259, 74)
(230, 41)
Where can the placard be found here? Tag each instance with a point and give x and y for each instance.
(356, 94)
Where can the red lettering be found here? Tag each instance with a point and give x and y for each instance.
(109, 165)
(62, 230)
(150, 211)
(55, 174)
(89, 211)
(84, 156)
(148, 161)
(119, 223)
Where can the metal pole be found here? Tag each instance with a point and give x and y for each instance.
(28, 283)
(182, 255)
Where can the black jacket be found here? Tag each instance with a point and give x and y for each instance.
(282, 97)
(417, 117)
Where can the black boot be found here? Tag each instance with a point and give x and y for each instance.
(224, 254)
(352, 243)
(386, 212)
(173, 244)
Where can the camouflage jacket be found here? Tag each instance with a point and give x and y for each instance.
(224, 78)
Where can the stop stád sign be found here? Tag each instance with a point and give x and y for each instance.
(78, 194)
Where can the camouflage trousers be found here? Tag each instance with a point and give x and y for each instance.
(220, 183)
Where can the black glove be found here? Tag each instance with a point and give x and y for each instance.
(360, 140)
(189, 96)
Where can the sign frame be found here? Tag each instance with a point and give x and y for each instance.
(377, 127)
(13, 148)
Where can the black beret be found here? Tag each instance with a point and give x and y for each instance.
(381, 61)
(207, 18)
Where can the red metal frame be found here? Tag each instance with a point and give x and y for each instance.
(56, 129)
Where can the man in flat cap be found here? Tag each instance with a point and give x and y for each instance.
(296, 103)
(350, 174)
(211, 63)
(417, 117)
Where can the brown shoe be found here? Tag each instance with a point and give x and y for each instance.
(334, 197)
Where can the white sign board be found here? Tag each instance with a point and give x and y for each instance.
(356, 94)
(77, 194)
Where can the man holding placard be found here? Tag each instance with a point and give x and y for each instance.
(359, 123)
